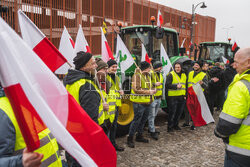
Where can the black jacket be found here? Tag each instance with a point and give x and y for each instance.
(89, 98)
(215, 87)
(228, 75)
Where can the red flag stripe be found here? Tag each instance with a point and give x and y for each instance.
(29, 121)
(72, 42)
(109, 51)
(88, 49)
(147, 58)
(49, 54)
(194, 108)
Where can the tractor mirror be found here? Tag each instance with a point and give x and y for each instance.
(159, 33)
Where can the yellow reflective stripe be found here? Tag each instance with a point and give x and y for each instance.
(112, 103)
(50, 160)
(111, 112)
(230, 118)
(247, 119)
(176, 89)
(238, 150)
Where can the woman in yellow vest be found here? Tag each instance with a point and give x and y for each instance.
(142, 95)
(176, 96)
(234, 121)
(115, 93)
(13, 151)
(157, 80)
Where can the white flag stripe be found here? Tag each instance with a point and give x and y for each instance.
(81, 42)
(25, 25)
(205, 112)
(67, 50)
(143, 53)
(35, 79)
(164, 58)
(105, 54)
(224, 60)
(183, 42)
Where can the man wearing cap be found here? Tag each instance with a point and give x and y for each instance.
(114, 94)
(157, 80)
(142, 95)
(196, 76)
(81, 85)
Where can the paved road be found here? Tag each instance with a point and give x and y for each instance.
(185, 148)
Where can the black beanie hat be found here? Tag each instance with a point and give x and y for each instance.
(81, 59)
(100, 64)
(144, 65)
(111, 62)
(157, 64)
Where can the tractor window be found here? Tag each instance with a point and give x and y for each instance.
(215, 53)
(168, 42)
(134, 40)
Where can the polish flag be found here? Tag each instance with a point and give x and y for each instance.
(32, 88)
(81, 42)
(66, 47)
(159, 19)
(106, 51)
(197, 106)
(234, 46)
(40, 43)
(144, 54)
(225, 60)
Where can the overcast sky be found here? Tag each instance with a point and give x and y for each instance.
(228, 13)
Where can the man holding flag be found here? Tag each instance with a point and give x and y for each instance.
(13, 151)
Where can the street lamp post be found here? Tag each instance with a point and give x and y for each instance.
(193, 19)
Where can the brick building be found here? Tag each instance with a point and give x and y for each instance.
(51, 15)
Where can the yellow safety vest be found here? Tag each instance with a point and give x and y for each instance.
(115, 87)
(182, 80)
(48, 144)
(155, 79)
(142, 98)
(236, 110)
(74, 91)
(193, 80)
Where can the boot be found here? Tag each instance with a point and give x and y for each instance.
(154, 135)
(140, 138)
(130, 142)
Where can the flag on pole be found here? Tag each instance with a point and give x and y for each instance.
(166, 64)
(159, 19)
(225, 60)
(40, 43)
(197, 106)
(81, 42)
(66, 47)
(106, 51)
(234, 46)
(125, 61)
(182, 45)
(104, 27)
(144, 54)
(32, 87)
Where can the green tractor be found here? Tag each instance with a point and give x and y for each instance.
(151, 37)
(215, 51)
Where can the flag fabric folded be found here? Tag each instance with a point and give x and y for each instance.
(197, 106)
(144, 54)
(125, 61)
(66, 47)
(81, 42)
(40, 43)
(159, 19)
(234, 46)
(32, 87)
(106, 51)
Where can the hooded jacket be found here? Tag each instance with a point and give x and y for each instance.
(89, 99)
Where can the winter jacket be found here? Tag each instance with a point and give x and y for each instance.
(89, 99)
(228, 75)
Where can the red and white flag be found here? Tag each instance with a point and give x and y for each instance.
(66, 47)
(234, 46)
(144, 54)
(81, 42)
(197, 106)
(106, 51)
(40, 43)
(159, 19)
(32, 88)
(225, 60)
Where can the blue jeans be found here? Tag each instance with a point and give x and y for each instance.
(229, 162)
(153, 113)
(141, 112)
